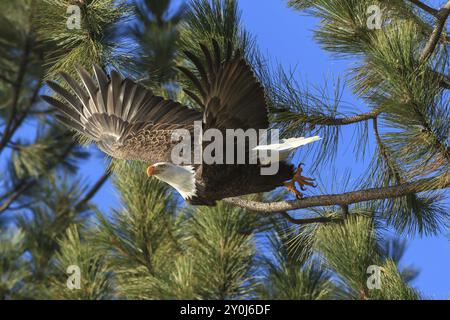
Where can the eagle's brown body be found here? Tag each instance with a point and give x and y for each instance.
(237, 180)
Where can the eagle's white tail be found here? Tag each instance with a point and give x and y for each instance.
(285, 147)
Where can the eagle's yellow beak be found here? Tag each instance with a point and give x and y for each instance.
(150, 171)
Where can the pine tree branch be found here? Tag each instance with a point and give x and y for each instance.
(25, 60)
(305, 221)
(27, 110)
(427, 184)
(348, 120)
(23, 187)
(21, 207)
(442, 16)
(345, 211)
(17, 90)
(331, 121)
(424, 7)
(19, 191)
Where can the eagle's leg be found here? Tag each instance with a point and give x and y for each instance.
(301, 180)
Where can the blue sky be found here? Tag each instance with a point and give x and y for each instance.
(285, 36)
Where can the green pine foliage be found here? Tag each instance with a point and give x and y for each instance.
(96, 281)
(12, 267)
(294, 273)
(157, 33)
(152, 245)
(69, 46)
(349, 249)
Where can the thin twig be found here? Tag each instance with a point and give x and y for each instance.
(425, 7)
(392, 166)
(350, 120)
(22, 189)
(305, 221)
(17, 89)
(331, 121)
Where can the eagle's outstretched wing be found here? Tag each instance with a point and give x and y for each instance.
(227, 90)
(126, 120)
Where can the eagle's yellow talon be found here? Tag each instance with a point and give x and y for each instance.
(291, 187)
(302, 182)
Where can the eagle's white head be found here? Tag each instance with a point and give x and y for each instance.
(182, 178)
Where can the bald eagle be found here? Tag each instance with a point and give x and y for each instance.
(127, 121)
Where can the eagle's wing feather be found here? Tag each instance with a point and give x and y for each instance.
(227, 90)
(126, 120)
